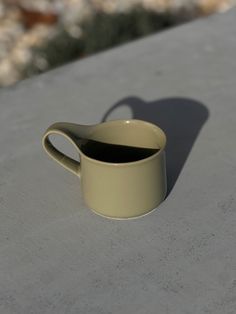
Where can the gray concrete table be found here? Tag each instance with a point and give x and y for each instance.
(56, 256)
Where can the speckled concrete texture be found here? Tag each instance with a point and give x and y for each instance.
(58, 257)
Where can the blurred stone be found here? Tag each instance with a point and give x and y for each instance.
(40, 6)
(34, 37)
(3, 50)
(76, 11)
(157, 5)
(21, 56)
(41, 63)
(210, 6)
(2, 10)
(74, 31)
(8, 73)
(111, 6)
(39, 34)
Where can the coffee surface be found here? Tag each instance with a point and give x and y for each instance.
(115, 153)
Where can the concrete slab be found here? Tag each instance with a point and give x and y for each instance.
(56, 256)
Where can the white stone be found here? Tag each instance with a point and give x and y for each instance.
(8, 73)
(21, 56)
(41, 63)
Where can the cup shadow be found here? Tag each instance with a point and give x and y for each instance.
(180, 118)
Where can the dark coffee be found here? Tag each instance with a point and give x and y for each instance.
(115, 153)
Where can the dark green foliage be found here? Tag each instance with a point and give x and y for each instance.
(63, 48)
(104, 31)
(109, 30)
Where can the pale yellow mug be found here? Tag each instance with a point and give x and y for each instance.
(121, 168)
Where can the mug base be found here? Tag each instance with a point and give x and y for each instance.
(123, 218)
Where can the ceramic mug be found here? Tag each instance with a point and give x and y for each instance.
(122, 165)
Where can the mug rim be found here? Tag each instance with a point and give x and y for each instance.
(130, 163)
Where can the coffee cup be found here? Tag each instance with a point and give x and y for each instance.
(121, 165)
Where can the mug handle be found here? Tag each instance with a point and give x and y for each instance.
(68, 130)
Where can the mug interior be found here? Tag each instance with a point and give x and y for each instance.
(134, 133)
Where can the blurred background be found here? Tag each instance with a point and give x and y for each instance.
(38, 35)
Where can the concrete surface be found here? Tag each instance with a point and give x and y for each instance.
(56, 256)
